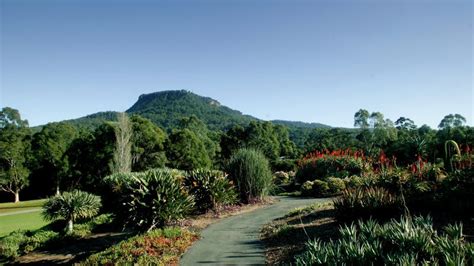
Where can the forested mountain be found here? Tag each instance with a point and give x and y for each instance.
(167, 108)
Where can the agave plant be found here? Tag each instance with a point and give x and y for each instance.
(71, 206)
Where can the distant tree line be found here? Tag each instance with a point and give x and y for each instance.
(64, 156)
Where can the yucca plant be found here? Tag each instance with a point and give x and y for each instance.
(71, 206)
(151, 199)
(210, 188)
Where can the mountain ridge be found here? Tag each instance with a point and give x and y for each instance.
(167, 108)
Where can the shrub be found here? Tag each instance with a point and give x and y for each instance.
(71, 206)
(38, 239)
(281, 177)
(211, 189)
(336, 185)
(365, 202)
(336, 163)
(251, 172)
(354, 181)
(404, 242)
(152, 199)
(286, 165)
(320, 188)
(307, 188)
(21, 242)
(10, 244)
(158, 247)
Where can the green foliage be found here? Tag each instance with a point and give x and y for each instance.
(251, 172)
(355, 181)
(90, 158)
(50, 147)
(167, 108)
(148, 144)
(10, 245)
(158, 247)
(150, 199)
(23, 241)
(187, 151)
(15, 147)
(451, 120)
(72, 206)
(307, 188)
(336, 185)
(38, 239)
(328, 165)
(272, 140)
(320, 188)
(210, 188)
(323, 188)
(365, 202)
(400, 242)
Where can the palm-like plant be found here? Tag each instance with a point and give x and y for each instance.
(72, 206)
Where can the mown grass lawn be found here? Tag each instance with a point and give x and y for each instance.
(9, 207)
(28, 221)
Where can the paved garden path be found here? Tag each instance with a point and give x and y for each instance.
(235, 240)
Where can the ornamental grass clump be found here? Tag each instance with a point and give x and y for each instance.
(251, 173)
(377, 202)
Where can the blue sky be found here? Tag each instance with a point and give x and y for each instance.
(314, 61)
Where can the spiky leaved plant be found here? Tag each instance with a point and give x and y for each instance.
(71, 206)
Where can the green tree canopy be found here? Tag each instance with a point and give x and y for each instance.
(187, 151)
(49, 148)
(15, 147)
(148, 144)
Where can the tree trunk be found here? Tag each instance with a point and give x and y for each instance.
(17, 196)
(69, 226)
(57, 190)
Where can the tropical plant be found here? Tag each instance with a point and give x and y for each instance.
(210, 188)
(251, 172)
(71, 206)
(150, 199)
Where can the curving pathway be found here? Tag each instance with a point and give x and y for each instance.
(235, 240)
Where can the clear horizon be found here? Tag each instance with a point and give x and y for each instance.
(310, 61)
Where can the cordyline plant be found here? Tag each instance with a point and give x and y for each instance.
(72, 206)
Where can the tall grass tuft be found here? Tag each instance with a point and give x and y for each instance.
(251, 172)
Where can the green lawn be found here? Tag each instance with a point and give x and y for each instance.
(26, 221)
(22, 204)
